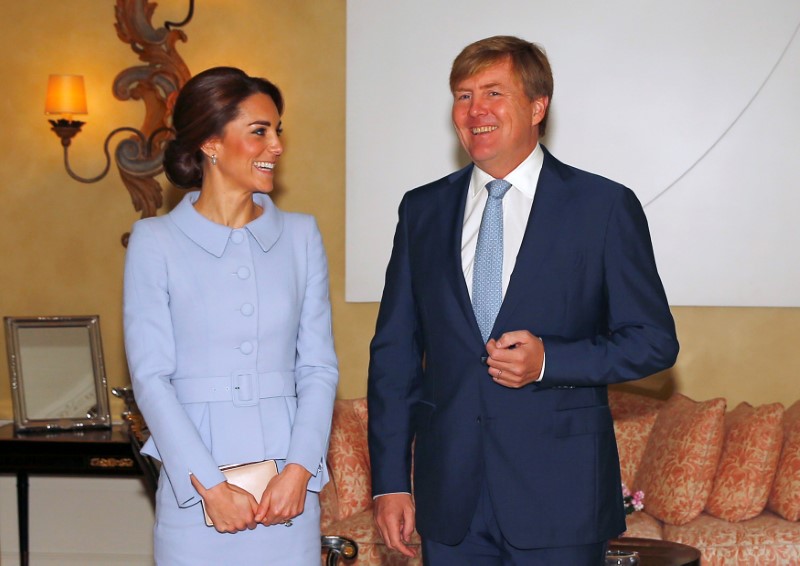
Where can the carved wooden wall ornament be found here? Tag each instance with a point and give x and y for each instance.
(156, 82)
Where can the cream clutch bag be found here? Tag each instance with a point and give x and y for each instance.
(252, 477)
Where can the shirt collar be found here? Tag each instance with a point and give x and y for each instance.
(213, 237)
(523, 178)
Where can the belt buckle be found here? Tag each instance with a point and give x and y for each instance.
(244, 388)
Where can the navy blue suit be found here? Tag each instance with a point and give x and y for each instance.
(585, 282)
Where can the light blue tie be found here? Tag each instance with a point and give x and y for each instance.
(487, 271)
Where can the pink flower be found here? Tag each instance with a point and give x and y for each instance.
(638, 500)
(632, 501)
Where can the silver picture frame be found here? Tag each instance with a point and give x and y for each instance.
(57, 373)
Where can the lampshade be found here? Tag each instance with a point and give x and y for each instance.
(65, 95)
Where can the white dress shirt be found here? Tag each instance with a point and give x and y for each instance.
(517, 205)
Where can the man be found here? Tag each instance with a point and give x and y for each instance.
(497, 337)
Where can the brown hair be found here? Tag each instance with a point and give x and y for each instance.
(205, 105)
(528, 60)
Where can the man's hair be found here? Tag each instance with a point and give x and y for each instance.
(528, 61)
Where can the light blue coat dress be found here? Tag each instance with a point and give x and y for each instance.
(230, 350)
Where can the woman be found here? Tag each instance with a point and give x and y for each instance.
(228, 336)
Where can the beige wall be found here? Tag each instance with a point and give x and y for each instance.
(743, 354)
(60, 239)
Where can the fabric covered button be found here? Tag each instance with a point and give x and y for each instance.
(247, 309)
(237, 237)
(246, 348)
(243, 272)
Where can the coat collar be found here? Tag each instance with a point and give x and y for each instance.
(213, 237)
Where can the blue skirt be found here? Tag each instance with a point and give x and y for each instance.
(181, 537)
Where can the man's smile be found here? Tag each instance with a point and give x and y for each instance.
(483, 130)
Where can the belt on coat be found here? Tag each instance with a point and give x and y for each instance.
(243, 388)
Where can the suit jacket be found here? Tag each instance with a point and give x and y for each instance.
(229, 344)
(585, 281)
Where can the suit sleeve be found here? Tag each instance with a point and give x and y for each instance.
(150, 349)
(395, 371)
(316, 370)
(638, 338)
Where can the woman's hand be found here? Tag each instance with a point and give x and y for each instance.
(230, 507)
(285, 496)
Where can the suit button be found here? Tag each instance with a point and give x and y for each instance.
(246, 348)
(247, 309)
(243, 272)
(478, 420)
(237, 237)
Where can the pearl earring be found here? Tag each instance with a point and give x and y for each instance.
(213, 160)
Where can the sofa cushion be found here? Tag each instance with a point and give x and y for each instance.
(771, 528)
(642, 525)
(717, 539)
(750, 453)
(677, 471)
(634, 417)
(784, 498)
(766, 539)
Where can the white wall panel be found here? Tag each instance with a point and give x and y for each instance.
(691, 103)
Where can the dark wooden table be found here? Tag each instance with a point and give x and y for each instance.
(658, 552)
(82, 453)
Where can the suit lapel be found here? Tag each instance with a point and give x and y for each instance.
(544, 224)
(454, 221)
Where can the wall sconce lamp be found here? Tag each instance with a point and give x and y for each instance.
(139, 156)
(66, 96)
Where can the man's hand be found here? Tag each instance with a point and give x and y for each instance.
(394, 515)
(515, 359)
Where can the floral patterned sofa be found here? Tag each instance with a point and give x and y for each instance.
(346, 501)
(727, 483)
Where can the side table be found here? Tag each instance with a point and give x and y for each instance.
(654, 552)
(68, 453)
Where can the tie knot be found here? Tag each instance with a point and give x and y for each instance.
(498, 188)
